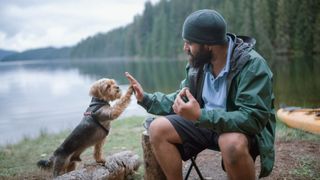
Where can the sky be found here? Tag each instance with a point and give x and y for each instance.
(30, 24)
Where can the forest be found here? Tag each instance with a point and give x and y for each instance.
(281, 27)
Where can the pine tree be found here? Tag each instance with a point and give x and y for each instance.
(282, 28)
(302, 43)
(262, 24)
(229, 13)
(316, 34)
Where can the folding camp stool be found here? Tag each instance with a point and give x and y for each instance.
(193, 164)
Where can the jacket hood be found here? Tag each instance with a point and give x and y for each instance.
(242, 45)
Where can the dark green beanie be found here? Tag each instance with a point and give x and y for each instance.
(205, 27)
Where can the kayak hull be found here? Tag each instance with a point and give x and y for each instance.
(300, 120)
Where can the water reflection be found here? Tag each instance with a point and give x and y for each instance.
(162, 75)
(37, 97)
(297, 82)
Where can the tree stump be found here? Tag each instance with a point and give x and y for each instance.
(153, 170)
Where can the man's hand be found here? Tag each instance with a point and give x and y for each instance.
(189, 110)
(136, 86)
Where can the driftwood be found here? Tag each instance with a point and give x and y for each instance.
(119, 166)
(152, 169)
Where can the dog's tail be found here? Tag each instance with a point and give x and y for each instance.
(45, 164)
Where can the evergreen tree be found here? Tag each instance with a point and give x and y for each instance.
(244, 15)
(272, 7)
(282, 25)
(316, 33)
(302, 43)
(229, 11)
(262, 23)
(282, 28)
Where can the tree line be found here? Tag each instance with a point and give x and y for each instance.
(281, 27)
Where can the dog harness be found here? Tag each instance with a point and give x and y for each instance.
(95, 105)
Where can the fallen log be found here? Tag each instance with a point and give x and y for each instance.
(119, 166)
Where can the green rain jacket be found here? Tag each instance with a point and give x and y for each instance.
(250, 98)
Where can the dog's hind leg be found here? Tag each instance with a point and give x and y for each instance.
(98, 151)
(45, 164)
(59, 165)
(72, 166)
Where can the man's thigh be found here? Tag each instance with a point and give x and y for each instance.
(194, 139)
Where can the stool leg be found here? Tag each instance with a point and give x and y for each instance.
(189, 170)
(197, 169)
(193, 163)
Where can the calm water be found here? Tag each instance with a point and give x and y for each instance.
(52, 96)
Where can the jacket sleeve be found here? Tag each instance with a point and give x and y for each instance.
(159, 103)
(253, 102)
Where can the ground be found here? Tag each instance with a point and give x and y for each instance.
(294, 160)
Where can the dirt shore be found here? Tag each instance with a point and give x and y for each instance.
(294, 160)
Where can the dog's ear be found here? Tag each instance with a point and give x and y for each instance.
(95, 90)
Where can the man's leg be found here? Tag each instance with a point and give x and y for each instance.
(236, 157)
(163, 138)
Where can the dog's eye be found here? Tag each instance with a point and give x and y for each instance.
(106, 87)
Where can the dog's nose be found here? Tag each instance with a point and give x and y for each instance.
(117, 87)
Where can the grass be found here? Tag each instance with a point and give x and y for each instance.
(21, 158)
(125, 134)
(285, 133)
(305, 168)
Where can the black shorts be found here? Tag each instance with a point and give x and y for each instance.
(195, 139)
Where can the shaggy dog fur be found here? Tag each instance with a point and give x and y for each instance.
(89, 132)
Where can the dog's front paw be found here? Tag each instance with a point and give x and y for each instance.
(130, 91)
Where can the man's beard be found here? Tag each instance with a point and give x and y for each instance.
(200, 59)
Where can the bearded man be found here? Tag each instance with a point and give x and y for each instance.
(225, 103)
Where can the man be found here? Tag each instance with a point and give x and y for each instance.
(225, 103)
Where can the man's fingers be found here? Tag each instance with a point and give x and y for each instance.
(183, 92)
(174, 107)
(130, 78)
(179, 101)
(189, 95)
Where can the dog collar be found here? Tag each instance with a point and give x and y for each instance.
(96, 101)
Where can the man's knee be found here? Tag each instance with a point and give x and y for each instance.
(161, 129)
(233, 146)
(157, 128)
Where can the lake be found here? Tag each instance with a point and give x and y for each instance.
(51, 96)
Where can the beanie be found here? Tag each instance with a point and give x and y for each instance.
(205, 27)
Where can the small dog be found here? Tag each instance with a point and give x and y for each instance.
(92, 130)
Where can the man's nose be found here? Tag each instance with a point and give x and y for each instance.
(186, 47)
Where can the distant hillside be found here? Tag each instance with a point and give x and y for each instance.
(280, 27)
(40, 54)
(4, 53)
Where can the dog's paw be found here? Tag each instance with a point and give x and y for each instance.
(130, 90)
(101, 161)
